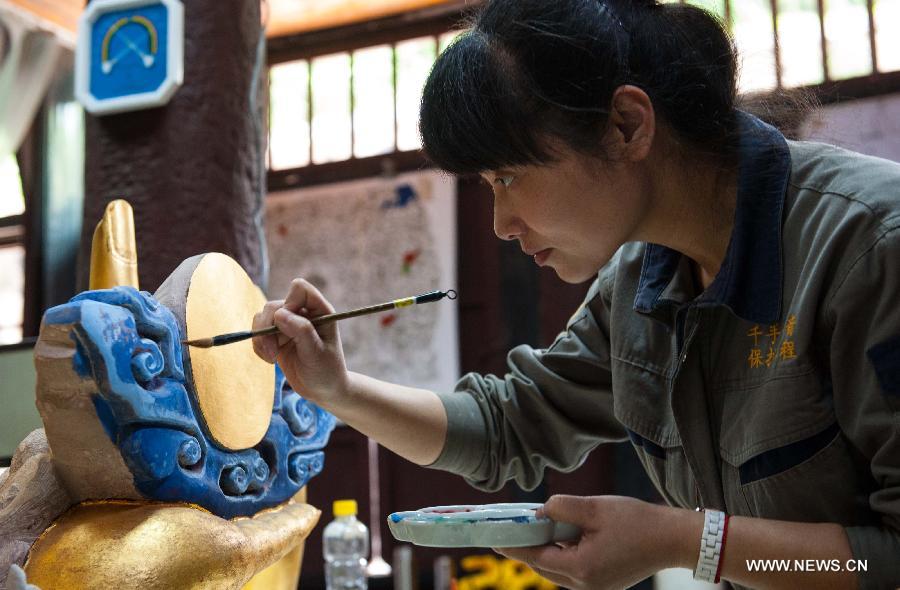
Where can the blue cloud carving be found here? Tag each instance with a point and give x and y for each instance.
(130, 347)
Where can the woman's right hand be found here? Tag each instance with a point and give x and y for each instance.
(312, 358)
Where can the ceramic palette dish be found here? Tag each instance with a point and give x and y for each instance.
(489, 525)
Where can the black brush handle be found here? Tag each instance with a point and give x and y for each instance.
(233, 337)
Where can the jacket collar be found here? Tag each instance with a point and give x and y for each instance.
(749, 281)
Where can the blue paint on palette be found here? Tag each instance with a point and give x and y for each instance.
(130, 347)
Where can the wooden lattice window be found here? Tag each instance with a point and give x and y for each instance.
(793, 43)
(350, 104)
(12, 251)
(364, 100)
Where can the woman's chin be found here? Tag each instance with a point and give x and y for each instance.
(573, 274)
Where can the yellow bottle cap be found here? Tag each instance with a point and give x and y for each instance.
(344, 507)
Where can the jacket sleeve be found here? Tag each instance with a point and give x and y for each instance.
(551, 409)
(865, 361)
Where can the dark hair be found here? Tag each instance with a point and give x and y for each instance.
(533, 70)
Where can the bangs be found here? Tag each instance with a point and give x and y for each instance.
(473, 115)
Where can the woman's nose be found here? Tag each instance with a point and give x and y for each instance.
(507, 224)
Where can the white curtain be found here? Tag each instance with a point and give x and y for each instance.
(29, 54)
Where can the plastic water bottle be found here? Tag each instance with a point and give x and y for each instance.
(345, 543)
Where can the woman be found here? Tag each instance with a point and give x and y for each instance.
(741, 330)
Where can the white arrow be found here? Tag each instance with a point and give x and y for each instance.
(147, 59)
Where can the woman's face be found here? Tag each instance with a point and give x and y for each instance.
(571, 215)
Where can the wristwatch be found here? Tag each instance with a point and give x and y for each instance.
(712, 542)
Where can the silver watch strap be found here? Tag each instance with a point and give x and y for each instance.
(710, 546)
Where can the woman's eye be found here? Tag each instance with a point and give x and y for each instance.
(505, 180)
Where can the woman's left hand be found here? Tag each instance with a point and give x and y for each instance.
(623, 541)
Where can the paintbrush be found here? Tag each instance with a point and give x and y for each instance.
(222, 339)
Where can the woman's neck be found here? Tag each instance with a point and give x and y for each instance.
(694, 206)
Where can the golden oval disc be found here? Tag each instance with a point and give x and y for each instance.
(235, 388)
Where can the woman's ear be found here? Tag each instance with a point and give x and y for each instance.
(632, 124)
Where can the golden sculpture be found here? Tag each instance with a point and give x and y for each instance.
(154, 545)
(113, 249)
(139, 545)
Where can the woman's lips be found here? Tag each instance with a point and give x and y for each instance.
(540, 258)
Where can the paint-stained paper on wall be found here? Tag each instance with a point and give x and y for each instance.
(369, 241)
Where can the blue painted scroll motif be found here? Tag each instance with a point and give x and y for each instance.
(130, 346)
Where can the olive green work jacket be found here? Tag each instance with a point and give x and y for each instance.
(774, 393)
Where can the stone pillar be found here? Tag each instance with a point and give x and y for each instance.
(193, 170)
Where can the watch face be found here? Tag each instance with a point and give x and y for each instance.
(129, 51)
(129, 54)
